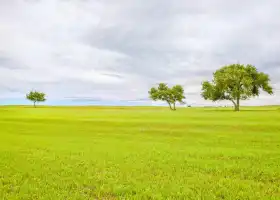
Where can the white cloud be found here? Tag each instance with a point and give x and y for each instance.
(116, 50)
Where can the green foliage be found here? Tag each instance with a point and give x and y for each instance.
(236, 82)
(169, 95)
(36, 96)
(87, 153)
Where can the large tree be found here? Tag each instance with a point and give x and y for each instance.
(169, 95)
(36, 96)
(236, 82)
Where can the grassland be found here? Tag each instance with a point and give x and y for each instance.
(82, 153)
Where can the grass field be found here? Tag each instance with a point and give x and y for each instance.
(82, 153)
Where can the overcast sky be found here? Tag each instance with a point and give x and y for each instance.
(113, 50)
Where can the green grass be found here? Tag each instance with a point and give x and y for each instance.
(61, 153)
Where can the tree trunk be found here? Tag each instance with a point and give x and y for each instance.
(169, 105)
(174, 107)
(237, 105)
(34, 104)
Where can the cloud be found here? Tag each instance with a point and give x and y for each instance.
(117, 50)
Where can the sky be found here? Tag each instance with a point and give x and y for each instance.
(113, 52)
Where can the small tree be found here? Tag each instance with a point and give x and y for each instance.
(236, 82)
(36, 97)
(170, 95)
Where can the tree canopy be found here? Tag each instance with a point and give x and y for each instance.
(36, 96)
(236, 82)
(169, 95)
